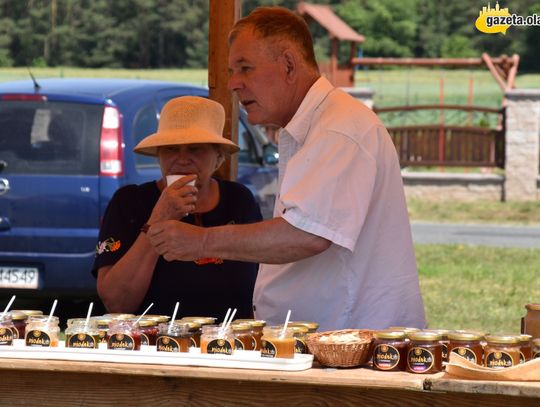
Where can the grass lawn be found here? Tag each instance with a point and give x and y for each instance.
(482, 288)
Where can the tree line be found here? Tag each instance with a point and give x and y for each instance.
(174, 33)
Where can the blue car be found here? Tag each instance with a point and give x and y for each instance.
(66, 145)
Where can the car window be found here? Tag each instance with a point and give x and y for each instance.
(144, 124)
(49, 137)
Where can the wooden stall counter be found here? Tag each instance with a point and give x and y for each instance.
(70, 383)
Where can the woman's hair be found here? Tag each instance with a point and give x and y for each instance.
(278, 25)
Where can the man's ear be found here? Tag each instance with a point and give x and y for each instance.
(290, 62)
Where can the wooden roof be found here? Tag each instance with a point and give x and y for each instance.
(336, 27)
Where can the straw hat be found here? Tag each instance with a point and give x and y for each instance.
(188, 120)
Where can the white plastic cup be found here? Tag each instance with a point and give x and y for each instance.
(175, 177)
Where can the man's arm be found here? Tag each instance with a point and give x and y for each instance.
(273, 241)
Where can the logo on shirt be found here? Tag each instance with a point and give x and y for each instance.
(109, 245)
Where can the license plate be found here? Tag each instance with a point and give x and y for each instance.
(19, 277)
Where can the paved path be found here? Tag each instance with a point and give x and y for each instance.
(477, 234)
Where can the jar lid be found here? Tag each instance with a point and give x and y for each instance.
(120, 316)
(193, 325)
(424, 336)
(525, 338)
(255, 323)
(200, 320)
(533, 307)
(145, 322)
(18, 316)
(465, 336)
(299, 330)
(29, 312)
(536, 341)
(389, 334)
(103, 320)
(158, 318)
(241, 327)
(502, 339)
(312, 326)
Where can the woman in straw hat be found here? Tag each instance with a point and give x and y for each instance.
(130, 274)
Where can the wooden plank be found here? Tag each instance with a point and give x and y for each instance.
(223, 14)
(448, 384)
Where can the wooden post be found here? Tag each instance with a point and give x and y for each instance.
(223, 14)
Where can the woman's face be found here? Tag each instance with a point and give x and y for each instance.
(199, 159)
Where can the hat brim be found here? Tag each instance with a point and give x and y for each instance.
(190, 135)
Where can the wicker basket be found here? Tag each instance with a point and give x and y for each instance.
(348, 354)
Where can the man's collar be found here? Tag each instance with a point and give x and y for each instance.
(298, 127)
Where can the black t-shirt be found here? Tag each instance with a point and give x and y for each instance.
(202, 289)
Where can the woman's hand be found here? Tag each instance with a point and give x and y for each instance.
(176, 201)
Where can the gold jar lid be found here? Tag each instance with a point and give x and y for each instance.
(200, 320)
(298, 330)
(465, 336)
(255, 323)
(193, 325)
(145, 322)
(103, 320)
(18, 316)
(525, 338)
(536, 342)
(502, 339)
(158, 318)
(241, 326)
(428, 336)
(311, 326)
(29, 312)
(120, 316)
(533, 307)
(389, 334)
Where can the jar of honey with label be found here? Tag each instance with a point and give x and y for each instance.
(425, 352)
(242, 336)
(7, 330)
(174, 337)
(501, 351)
(216, 340)
(467, 345)
(525, 348)
(81, 334)
(124, 335)
(390, 350)
(42, 331)
(277, 343)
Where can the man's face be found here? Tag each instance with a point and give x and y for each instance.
(259, 80)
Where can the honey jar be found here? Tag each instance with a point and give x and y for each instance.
(525, 348)
(424, 353)
(200, 322)
(20, 318)
(276, 343)
(242, 336)
(215, 340)
(257, 326)
(531, 321)
(82, 335)
(311, 326)
(42, 331)
(7, 330)
(467, 345)
(124, 335)
(501, 351)
(174, 337)
(103, 328)
(300, 333)
(390, 350)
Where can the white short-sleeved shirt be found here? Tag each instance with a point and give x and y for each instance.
(340, 179)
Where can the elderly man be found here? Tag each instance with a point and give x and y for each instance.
(339, 249)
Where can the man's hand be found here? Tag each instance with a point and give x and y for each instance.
(176, 240)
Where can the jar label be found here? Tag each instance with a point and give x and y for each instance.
(103, 337)
(144, 339)
(121, 342)
(420, 360)
(238, 344)
(167, 344)
(82, 340)
(499, 360)
(38, 338)
(6, 336)
(385, 357)
(465, 353)
(219, 346)
(268, 349)
(300, 346)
